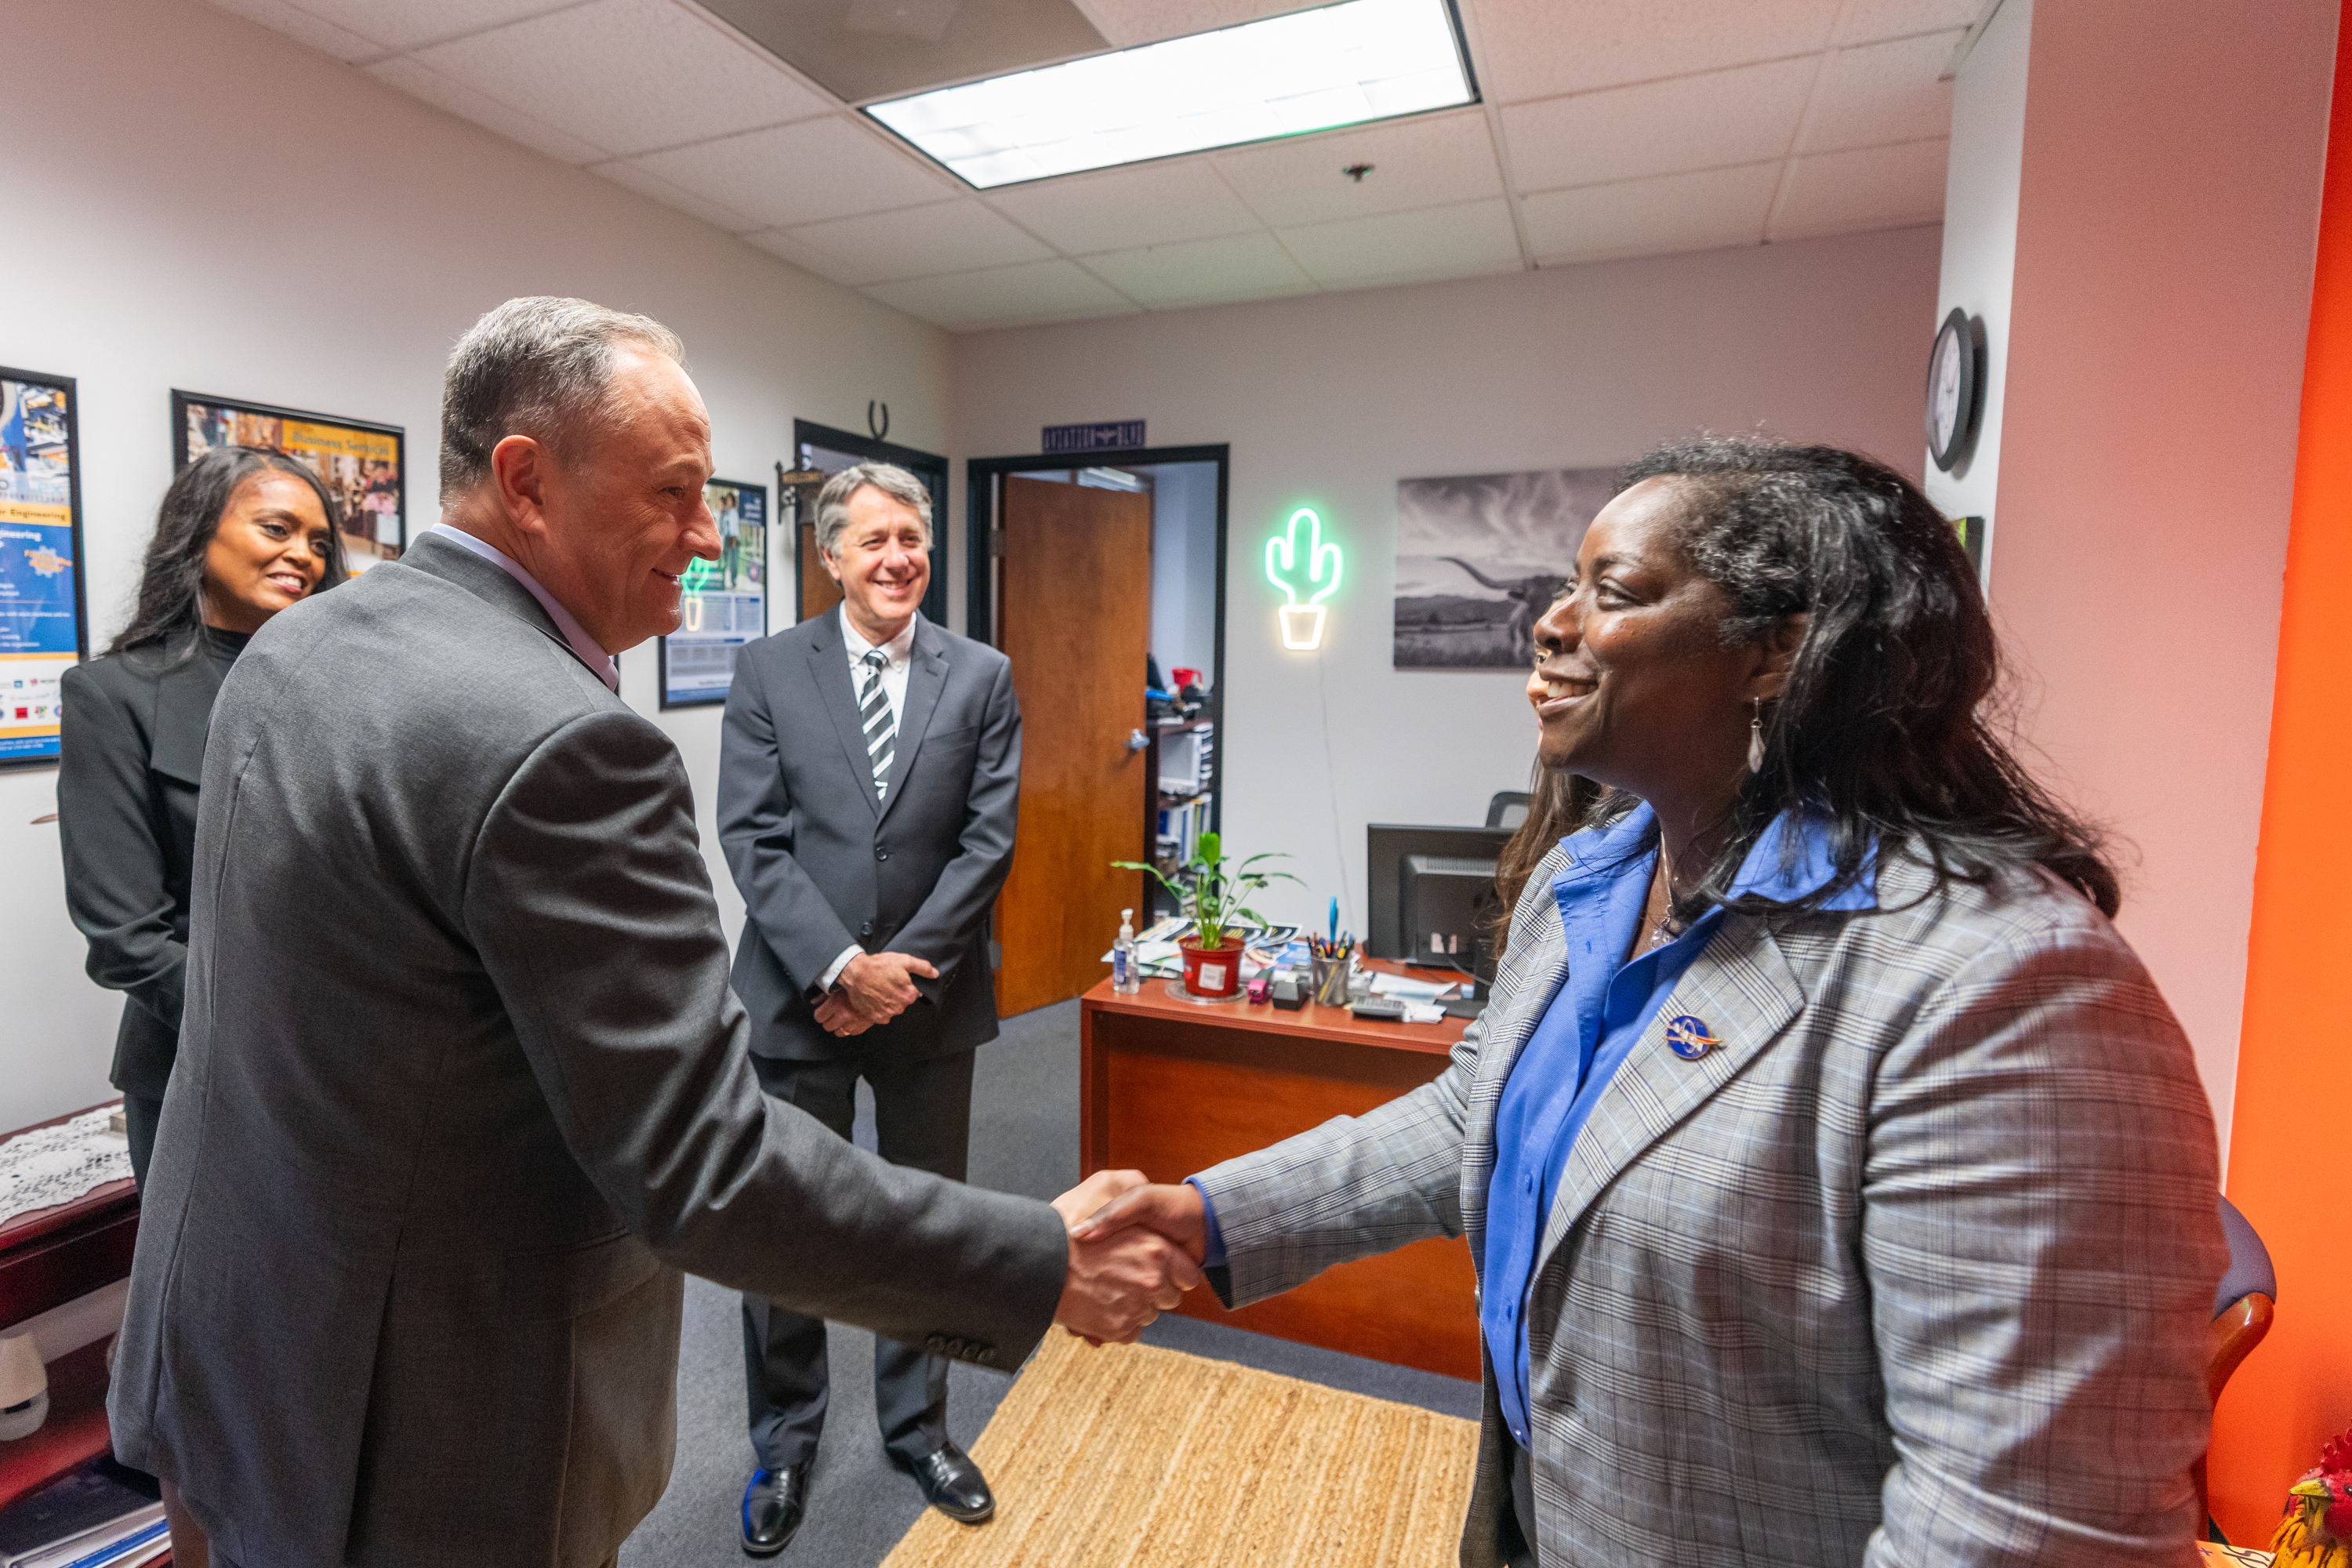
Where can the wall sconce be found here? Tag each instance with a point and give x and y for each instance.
(1302, 625)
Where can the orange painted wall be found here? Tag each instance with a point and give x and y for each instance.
(2290, 1144)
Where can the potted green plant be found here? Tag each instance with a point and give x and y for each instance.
(1210, 896)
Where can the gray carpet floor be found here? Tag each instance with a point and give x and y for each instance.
(1024, 1139)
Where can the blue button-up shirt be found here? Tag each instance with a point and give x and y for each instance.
(1599, 1015)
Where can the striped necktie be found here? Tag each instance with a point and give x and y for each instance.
(874, 709)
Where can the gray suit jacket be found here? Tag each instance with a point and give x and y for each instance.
(1914, 1268)
(461, 1089)
(822, 863)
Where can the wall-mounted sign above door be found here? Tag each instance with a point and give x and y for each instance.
(1109, 436)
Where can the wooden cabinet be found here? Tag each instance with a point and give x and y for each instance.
(48, 1258)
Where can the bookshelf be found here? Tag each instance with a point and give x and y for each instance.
(1182, 753)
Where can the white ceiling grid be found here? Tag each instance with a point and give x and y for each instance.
(1609, 129)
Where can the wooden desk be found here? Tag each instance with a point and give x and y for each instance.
(1170, 1088)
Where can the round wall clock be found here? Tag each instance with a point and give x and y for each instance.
(1954, 389)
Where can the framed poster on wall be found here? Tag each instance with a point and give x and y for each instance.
(1480, 557)
(726, 600)
(44, 622)
(363, 465)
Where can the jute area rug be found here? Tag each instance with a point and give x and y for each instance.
(1133, 1456)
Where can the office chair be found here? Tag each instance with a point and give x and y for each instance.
(1507, 809)
(2242, 1310)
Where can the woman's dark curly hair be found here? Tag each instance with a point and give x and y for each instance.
(1883, 731)
(171, 603)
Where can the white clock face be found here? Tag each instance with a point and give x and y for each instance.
(1943, 400)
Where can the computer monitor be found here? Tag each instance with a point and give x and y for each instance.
(1441, 884)
(1445, 910)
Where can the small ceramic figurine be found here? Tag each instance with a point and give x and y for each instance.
(2317, 1530)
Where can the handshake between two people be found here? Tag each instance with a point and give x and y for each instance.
(1136, 1247)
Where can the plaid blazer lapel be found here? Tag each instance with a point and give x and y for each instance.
(1744, 990)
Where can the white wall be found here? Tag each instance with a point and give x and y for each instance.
(1981, 238)
(201, 204)
(1331, 400)
(2167, 218)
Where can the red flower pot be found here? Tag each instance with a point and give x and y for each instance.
(1210, 971)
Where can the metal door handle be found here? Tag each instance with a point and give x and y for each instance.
(1134, 741)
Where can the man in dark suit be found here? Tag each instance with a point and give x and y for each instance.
(868, 775)
(462, 1086)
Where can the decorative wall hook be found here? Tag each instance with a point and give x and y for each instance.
(882, 431)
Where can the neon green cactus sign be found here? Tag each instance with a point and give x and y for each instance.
(1302, 624)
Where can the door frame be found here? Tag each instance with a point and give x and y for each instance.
(984, 537)
(927, 466)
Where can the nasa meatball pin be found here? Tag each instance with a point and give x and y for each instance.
(1688, 1037)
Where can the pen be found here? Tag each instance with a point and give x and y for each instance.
(1335, 920)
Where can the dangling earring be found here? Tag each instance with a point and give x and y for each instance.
(1756, 736)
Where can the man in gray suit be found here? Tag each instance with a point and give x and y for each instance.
(462, 1087)
(869, 772)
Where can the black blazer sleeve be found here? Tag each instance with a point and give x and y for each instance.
(117, 866)
(756, 823)
(943, 929)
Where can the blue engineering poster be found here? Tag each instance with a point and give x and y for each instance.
(40, 576)
(726, 600)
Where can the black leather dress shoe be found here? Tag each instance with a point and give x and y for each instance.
(953, 1484)
(772, 1505)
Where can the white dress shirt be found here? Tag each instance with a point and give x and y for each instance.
(900, 651)
(603, 665)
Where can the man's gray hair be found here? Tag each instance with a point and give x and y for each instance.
(538, 366)
(833, 502)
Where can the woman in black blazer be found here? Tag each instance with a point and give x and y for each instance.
(242, 533)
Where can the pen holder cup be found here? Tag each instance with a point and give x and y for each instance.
(1330, 978)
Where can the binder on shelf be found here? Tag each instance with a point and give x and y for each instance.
(97, 1515)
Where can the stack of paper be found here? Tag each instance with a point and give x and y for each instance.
(1410, 991)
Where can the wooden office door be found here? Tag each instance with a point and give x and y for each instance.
(1075, 619)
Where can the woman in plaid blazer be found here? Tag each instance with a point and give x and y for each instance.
(1840, 1187)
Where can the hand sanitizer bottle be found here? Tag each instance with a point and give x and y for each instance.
(1123, 977)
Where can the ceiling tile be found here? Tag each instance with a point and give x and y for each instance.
(1198, 271)
(1868, 20)
(1847, 192)
(1127, 23)
(305, 28)
(1539, 48)
(915, 242)
(863, 50)
(802, 174)
(776, 242)
(410, 23)
(1005, 296)
(630, 177)
(1434, 242)
(1151, 203)
(417, 81)
(1416, 162)
(1705, 211)
(630, 74)
(1879, 93)
(1741, 116)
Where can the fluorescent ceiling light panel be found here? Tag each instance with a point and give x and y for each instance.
(1284, 76)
